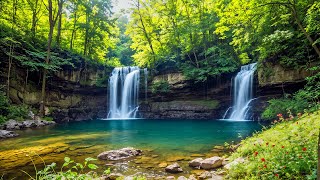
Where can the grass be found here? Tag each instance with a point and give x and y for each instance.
(286, 150)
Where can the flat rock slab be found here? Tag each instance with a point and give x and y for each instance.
(7, 134)
(119, 154)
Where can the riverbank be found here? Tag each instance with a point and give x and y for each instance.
(287, 150)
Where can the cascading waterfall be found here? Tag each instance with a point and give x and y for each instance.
(242, 93)
(145, 83)
(124, 92)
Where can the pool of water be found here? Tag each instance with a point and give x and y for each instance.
(163, 140)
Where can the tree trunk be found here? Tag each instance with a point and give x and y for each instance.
(296, 17)
(9, 69)
(44, 75)
(86, 38)
(58, 38)
(146, 33)
(73, 30)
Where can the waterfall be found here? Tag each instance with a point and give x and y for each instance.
(124, 92)
(146, 83)
(242, 93)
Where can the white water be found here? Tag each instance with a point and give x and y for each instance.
(124, 92)
(242, 93)
(146, 83)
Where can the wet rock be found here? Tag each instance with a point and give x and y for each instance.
(182, 178)
(205, 175)
(195, 162)
(174, 168)
(235, 162)
(225, 161)
(29, 123)
(216, 177)
(7, 134)
(13, 125)
(192, 177)
(123, 153)
(210, 163)
(170, 178)
(112, 176)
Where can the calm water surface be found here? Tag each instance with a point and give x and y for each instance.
(161, 139)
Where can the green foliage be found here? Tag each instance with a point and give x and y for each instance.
(179, 34)
(46, 118)
(72, 170)
(283, 106)
(9, 111)
(160, 87)
(287, 150)
(18, 112)
(306, 99)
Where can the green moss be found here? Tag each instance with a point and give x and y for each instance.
(48, 118)
(287, 150)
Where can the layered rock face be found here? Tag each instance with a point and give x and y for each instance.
(186, 100)
(211, 100)
(72, 94)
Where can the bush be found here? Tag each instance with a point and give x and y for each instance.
(8, 111)
(284, 106)
(18, 112)
(161, 87)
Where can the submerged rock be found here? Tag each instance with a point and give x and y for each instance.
(7, 134)
(174, 168)
(195, 162)
(210, 163)
(123, 153)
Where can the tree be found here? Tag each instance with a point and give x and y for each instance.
(52, 22)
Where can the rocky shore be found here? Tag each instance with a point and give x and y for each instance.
(6, 129)
(212, 168)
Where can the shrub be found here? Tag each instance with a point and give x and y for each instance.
(18, 112)
(161, 87)
(284, 106)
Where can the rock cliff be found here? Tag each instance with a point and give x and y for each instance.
(73, 93)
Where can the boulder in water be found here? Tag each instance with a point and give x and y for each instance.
(123, 153)
(210, 163)
(7, 134)
(196, 162)
(13, 124)
(174, 168)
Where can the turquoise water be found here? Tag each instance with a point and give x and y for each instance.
(162, 139)
(194, 135)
